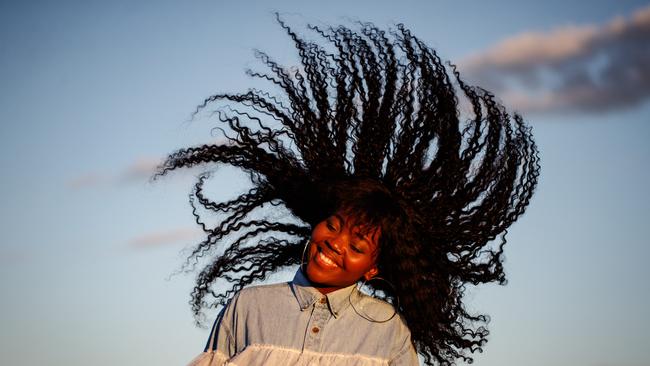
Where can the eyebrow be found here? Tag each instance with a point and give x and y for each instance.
(365, 237)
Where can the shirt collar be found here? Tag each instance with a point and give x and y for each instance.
(307, 295)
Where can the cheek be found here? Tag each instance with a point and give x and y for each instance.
(359, 264)
(312, 249)
(318, 232)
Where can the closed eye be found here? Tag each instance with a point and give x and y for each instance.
(331, 222)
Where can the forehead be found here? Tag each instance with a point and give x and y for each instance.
(359, 224)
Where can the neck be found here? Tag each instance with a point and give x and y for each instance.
(325, 290)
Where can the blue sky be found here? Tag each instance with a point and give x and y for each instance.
(94, 93)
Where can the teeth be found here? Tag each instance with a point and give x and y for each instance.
(326, 260)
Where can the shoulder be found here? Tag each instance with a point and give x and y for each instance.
(254, 306)
(263, 290)
(258, 295)
(380, 311)
(388, 321)
(372, 303)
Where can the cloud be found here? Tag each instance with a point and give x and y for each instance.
(140, 170)
(154, 239)
(575, 68)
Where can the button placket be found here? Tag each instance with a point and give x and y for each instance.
(319, 318)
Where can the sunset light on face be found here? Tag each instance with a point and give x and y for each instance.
(340, 254)
(95, 94)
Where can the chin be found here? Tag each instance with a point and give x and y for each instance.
(314, 275)
(317, 277)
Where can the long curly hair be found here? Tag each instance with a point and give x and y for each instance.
(369, 111)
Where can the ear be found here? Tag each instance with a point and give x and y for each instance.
(372, 272)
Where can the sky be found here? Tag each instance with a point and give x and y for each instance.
(93, 94)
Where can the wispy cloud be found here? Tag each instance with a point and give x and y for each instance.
(575, 68)
(139, 171)
(154, 239)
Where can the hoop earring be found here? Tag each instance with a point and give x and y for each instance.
(366, 316)
(302, 257)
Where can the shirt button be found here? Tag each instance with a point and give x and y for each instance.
(323, 300)
(315, 329)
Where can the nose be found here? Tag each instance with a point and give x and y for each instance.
(334, 244)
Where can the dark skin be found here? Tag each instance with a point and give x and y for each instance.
(341, 253)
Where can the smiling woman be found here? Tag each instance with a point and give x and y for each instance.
(367, 149)
(320, 318)
(340, 254)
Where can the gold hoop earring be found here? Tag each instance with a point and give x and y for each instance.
(366, 316)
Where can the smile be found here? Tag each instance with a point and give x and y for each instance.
(325, 261)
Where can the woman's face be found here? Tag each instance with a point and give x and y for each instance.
(340, 254)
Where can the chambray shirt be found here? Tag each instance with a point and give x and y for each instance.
(294, 324)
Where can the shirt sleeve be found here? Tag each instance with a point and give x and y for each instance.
(406, 355)
(221, 345)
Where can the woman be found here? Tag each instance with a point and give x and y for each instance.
(369, 129)
(320, 318)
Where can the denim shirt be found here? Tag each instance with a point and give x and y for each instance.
(294, 324)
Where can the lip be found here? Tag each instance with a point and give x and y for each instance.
(324, 260)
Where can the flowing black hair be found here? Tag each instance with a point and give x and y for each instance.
(370, 113)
